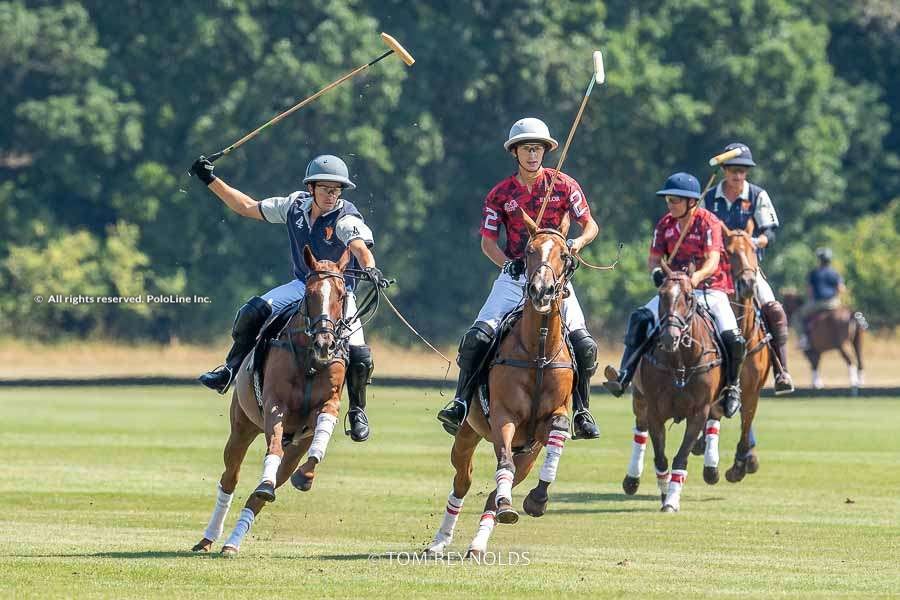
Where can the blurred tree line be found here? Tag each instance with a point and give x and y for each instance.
(106, 104)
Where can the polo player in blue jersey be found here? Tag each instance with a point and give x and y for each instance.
(319, 218)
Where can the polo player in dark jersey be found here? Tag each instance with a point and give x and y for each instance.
(319, 218)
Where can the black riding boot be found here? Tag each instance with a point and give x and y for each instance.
(777, 321)
(735, 346)
(639, 325)
(583, 424)
(250, 317)
(472, 349)
(359, 375)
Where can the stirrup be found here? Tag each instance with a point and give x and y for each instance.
(588, 420)
(215, 372)
(613, 383)
(362, 418)
(723, 400)
(451, 426)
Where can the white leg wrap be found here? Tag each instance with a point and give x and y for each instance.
(711, 456)
(504, 479)
(662, 481)
(444, 534)
(854, 376)
(817, 380)
(638, 447)
(862, 377)
(245, 522)
(555, 443)
(324, 429)
(217, 520)
(673, 497)
(270, 468)
(485, 528)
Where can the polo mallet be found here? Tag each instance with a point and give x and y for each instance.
(598, 77)
(715, 161)
(389, 41)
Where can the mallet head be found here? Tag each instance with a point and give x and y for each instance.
(720, 158)
(599, 71)
(398, 49)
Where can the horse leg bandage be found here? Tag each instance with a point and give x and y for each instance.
(711, 456)
(662, 481)
(504, 479)
(451, 514)
(485, 528)
(245, 522)
(638, 447)
(270, 468)
(556, 440)
(673, 498)
(217, 520)
(324, 429)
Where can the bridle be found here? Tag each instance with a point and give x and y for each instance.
(672, 318)
(569, 264)
(322, 324)
(754, 271)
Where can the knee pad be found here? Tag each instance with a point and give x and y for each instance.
(250, 317)
(585, 350)
(360, 365)
(639, 324)
(474, 345)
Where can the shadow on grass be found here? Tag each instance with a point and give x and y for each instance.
(583, 497)
(123, 555)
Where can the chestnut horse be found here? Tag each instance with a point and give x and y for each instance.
(757, 362)
(679, 378)
(530, 385)
(301, 398)
(837, 329)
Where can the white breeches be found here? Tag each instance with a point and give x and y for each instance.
(764, 291)
(715, 301)
(507, 293)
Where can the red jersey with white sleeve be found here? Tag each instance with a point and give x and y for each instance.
(502, 204)
(703, 237)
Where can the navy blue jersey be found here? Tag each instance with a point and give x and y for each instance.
(824, 283)
(753, 204)
(329, 235)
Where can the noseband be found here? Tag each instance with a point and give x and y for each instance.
(323, 323)
(569, 266)
(682, 324)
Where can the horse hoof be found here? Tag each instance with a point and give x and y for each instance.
(736, 472)
(301, 481)
(229, 551)
(699, 448)
(630, 485)
(202, 546)
(507, 515)
(265, 491)
(662, 499)
(668, 508)
(711, 475)
(474, 553)
(533, 506)
(752, 464)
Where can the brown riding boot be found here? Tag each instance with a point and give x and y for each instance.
(777, 321)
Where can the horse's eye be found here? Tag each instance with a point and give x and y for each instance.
(529, 251)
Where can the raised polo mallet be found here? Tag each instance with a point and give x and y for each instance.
(715, 161)
(598, 77)
(389, 41)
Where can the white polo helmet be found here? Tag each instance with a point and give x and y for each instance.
(530, 129)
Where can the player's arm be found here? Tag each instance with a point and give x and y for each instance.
(589, 231)
(236, 200)
(710, 264)
(492, 250)
(361, 251)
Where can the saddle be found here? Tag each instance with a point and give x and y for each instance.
(270, 331)
(480, 375)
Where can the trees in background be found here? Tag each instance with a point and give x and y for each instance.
(109, 103)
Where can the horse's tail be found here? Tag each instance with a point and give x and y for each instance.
(861, 325)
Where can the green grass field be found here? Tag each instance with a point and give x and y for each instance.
(103, 491)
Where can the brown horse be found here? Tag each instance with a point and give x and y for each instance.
(757, 362)
(836, 329)
(679, 378)
(530, 385)
(300, 402)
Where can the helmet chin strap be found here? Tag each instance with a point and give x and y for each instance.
(688, 208)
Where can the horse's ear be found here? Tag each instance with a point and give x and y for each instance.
(750, 226)
(308, 258)
(665, 267)
(344, 260)
(725, 231)
(529, 223)
(564, 226)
